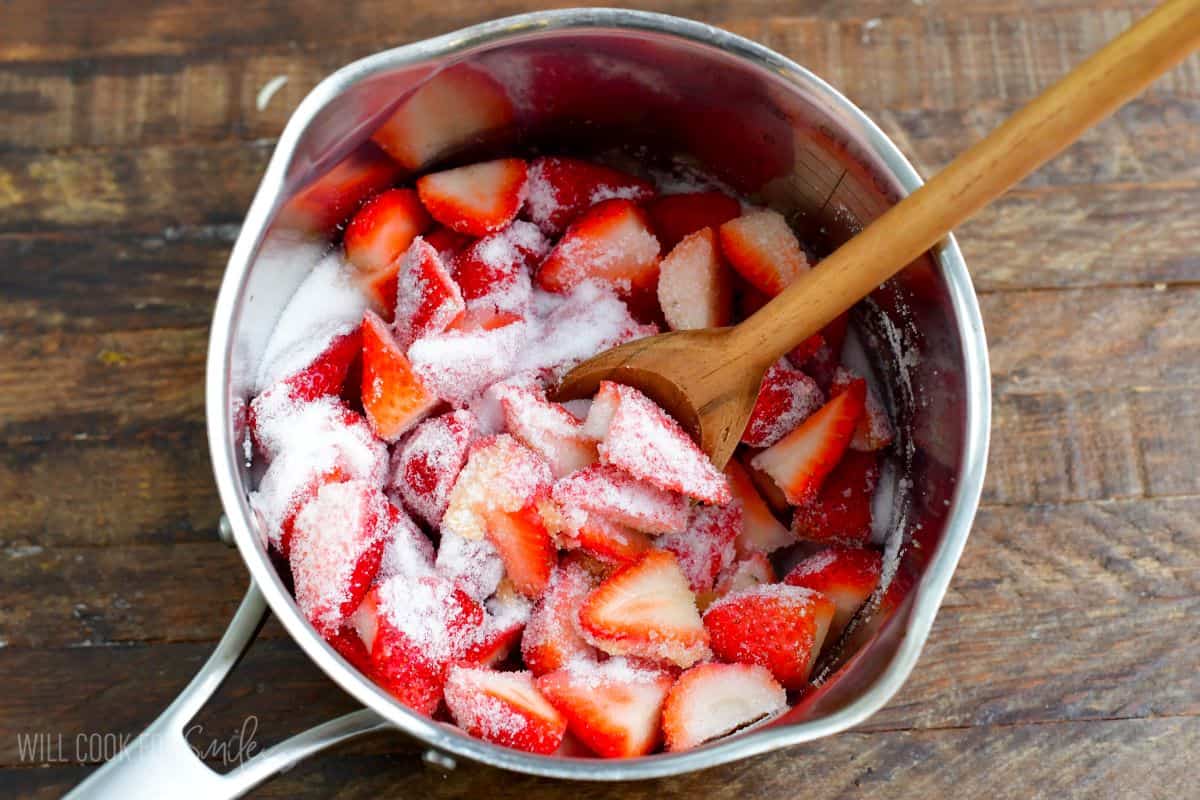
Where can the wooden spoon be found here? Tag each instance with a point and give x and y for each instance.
(709, 379)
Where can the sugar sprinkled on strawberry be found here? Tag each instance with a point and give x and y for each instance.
(841, 512)
(786, 398)
(711, 700)
(695, 289)
(551, 639)
(393, 395)
(427, 300)
(622, 498)
(501, 474)
(761, 531)
(763, 250)
(560, 188)
(846, 575)
(504, 708)
(611, 243)
(707, 546)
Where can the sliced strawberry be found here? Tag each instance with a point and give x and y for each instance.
(349, 646)
(394, 398)
(449, 110)
(801, 460)
(753, 570)
(327, 372)
(675, 216)
(612, 493)
(707, 546)
(503, 624)
(425, 467)
(495, 269)
(560, 188)
(614, 708)
(786, 398)
(761, 531)
(478, 199)
(841, 511)
(283, 491)
(427, 299)
(609, 541)
(501, 474)
(778, 626)
(640, 438)
(767, 488)
(459, 364)
(694, 288)
(525, 547)
(610, 243)
(448, 243)
(547, 428)
(711, 700)
(379, 234)
(763, 250)
(874, 431)
(406, 551)
(846, 575)
(648, 611)
(551, 639)
(336, 545)
(504, 708)
(331, 198)
(474, 565)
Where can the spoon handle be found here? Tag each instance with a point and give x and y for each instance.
(1031, 136)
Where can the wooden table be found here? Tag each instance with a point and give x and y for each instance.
(1065, 660)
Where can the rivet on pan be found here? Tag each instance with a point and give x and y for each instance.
(225, 531)
(439, 759)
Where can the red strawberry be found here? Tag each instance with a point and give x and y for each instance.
(614, 708)
(330, 199)
(675, 216)
(427, 299)
(462, 362)
(425, 468)
(824, 362)
(612, 493)
(448, 243)
(646, 610)
(761, 531)
(611, 243)
(609, 541)
(846, 575)
(501, 474)
(561, 188)
(547, 428)
(279, 517)
(694, 287)
(777, 626)
(407, 551)
(328, 371)
(336, 544)
(707, 546)
(504, 708)
(800, 461)
(394, 398)
(753, 570)
(874, 431)
(349, 646)
(525, 548)
(495, 268)
(449, 110)
(767, 488)
(493, 643)
(786, 398)
(379, 234)
(802, 352)
(478, 199)
(551, 639)
(763, 250)
(711, 700)
(640, 438)
(841, 511)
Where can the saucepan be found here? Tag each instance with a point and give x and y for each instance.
(651, 85)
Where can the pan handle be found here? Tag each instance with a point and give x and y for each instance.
(161, 763)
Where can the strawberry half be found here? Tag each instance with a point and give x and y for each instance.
(425, 467)
(767, 488)
(846, 575)
(504, 708)
(609, 541)
(786, 398)
(801, 460)
(640, 438)
(874, 431)
(841, 512)
(378, 235)
(707, 546)
(326, 374)
(560, 188)
(478, 199)
(448, 243)
(712, 700)
(524, 546)
(694, 286)
(778, 626)
(753, 570)
(551, 639)
(501, 474)
(614, 708)
(675, 216)
(495, 269)
(646, 610)
(427, 299)
(331, 198)
(614, 494)
(393, 396)
(761, 247)
(547, 428)
(761, 531)
(610, 243)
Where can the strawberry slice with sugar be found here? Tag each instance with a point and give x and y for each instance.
(609, 541)
(778, 626)
(712, 700)
(459, 364)
(378, 235)
(427, 299)
(761, 247)
(448, 243)
(394, 398)
(525, 548)
(841, 512)
(614, 708)
(648, 611)
(425, 467)
(547, 428)
(406, 550)
(707, 546)
(504, 621)
(494, 270)
(874, 431)
(561, 188)
(610, 243)
(477, 199)
(336, 545)
(501, 474)
(675, 216)
(694, 286)
(474, 565)
(551, 639)
(800, 461)
(330, 199)
(614, 494)
(846, 575)
(753, 570)
(640, 438)
(325, 375)
(504, 708)
(786, 398)
(761, 531)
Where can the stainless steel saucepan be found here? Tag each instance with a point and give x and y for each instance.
(761, 123)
